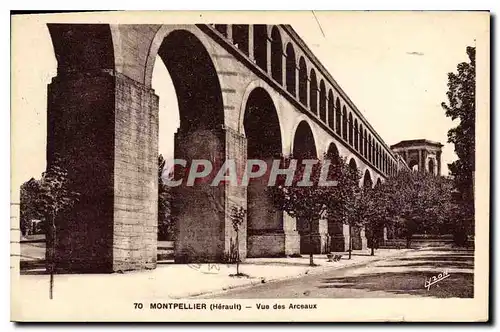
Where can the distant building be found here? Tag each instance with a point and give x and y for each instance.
(420, 154)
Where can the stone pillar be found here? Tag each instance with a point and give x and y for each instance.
(271, 233)
(283, 68)
(204, 229)
(250, 43)
(268, 54)
(229, 32)
(338, 236)
(104, 127)
(314, 236)
(297, 79)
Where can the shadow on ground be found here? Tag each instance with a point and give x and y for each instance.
(408, 276)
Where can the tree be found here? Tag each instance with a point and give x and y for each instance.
(305, 203)
(461, 105)
(55, 196)
(28, 208)
(343, 203)
(238, 214)
(416, 202)
(166, 223)
(371, 211)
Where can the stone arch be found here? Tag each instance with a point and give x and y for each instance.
(303, 81)
(322, 101)
(367, 179)
(276, 55)
(304, 143)
(333, 153)
(160, 36)
(263, 143)
(248, 90)
(378, 183)
(121, 139)
(331, 112)
(260, 45)
(197, 85)
(313, 92)
(291, 69)
(352, 164)
(201, 115)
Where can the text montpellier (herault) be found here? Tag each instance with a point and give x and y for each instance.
(180, 306)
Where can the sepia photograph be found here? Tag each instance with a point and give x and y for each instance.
(250, 166)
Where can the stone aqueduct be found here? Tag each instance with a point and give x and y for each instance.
(244, 91)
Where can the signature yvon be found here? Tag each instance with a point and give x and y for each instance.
(434, 280)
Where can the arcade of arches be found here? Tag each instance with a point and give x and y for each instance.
(244, 92)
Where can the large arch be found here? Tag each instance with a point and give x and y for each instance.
(291, 70)
(121, 145)
(263, 143)
(260, 45)
(303, 81)
(197, 85)
(201, 114)
(337, 240)
(304, 145)
(313, 92)
(276, 55)
(333, 153)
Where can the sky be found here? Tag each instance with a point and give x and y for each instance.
(392, 65)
